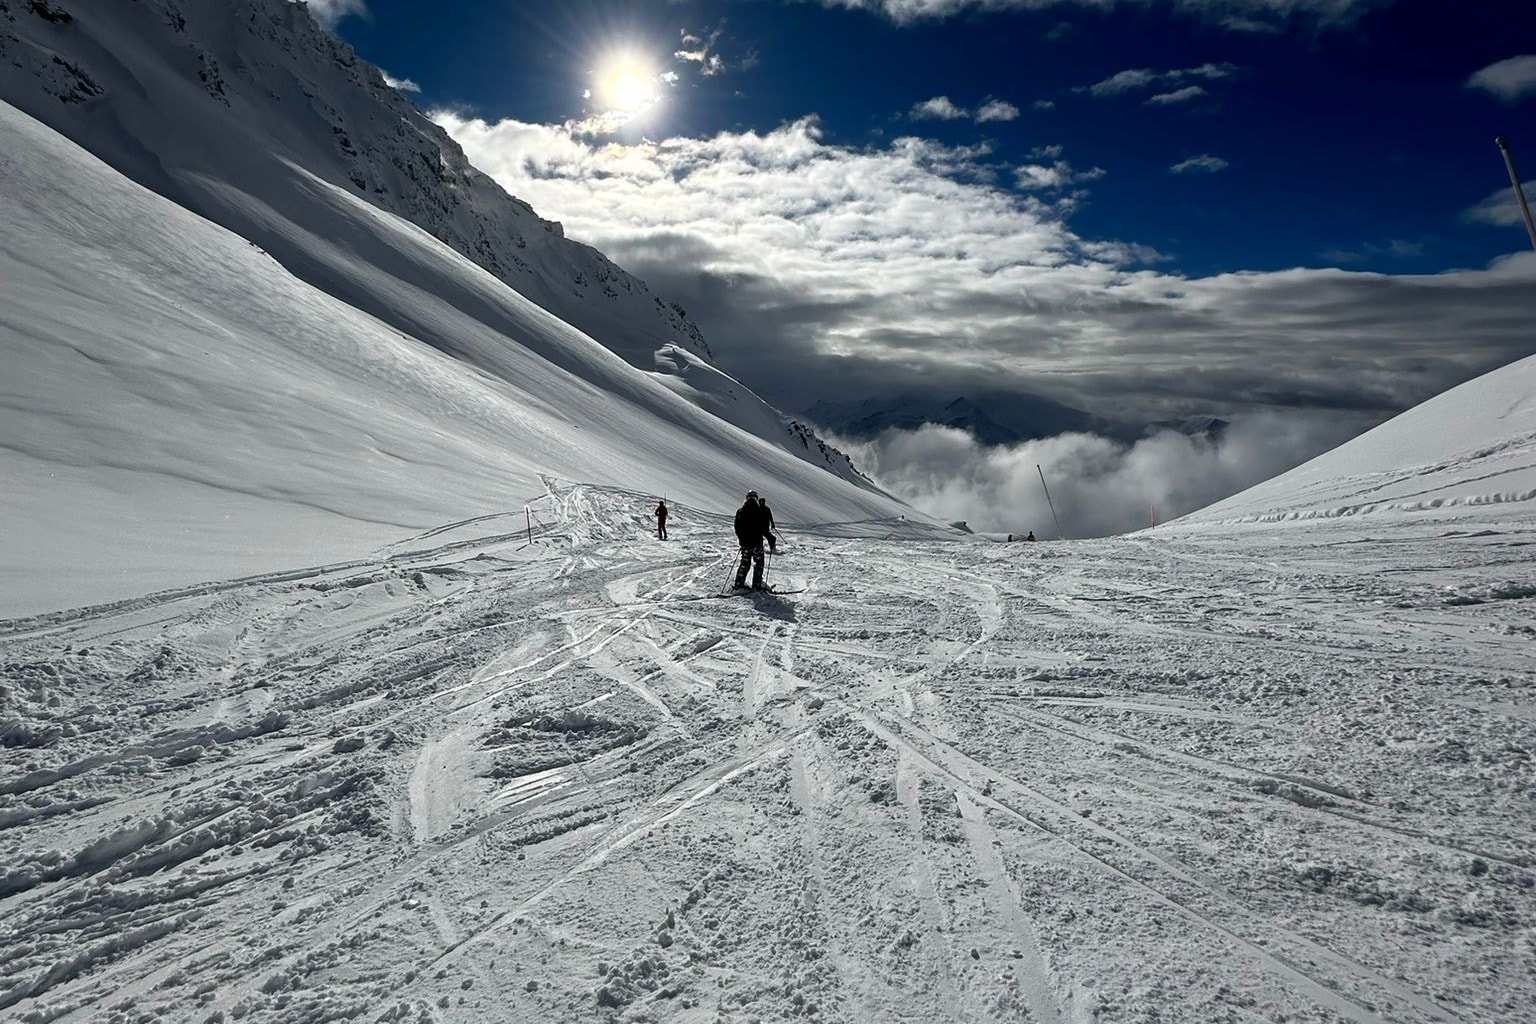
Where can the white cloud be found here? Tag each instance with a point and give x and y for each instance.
(1044, 104)
(1053, 176)
(1509, 80)
(997, 110)
(701, 50)
(1184, 95)
(1501, 208)
(330, 12)
(819, 270)
(1136, 79)
(1238, 15)
(1098, 486)
(1125, 81)
(940, 108)
(1204, 163)
(402, 84)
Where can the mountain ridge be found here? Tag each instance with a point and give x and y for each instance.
(239, 111)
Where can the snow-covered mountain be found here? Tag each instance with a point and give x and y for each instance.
(1473, 445)
(256, 303)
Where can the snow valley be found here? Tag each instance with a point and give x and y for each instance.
(343, 678)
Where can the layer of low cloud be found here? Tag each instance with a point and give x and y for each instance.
(819, 270)
(1202, 164)
(1509, 80)
(1099, 486)
(330, 12)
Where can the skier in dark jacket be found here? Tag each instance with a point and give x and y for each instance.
(752, 525)
(661, 519)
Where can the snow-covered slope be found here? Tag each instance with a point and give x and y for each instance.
(249, 114)
(177, 406)
(1472, 445)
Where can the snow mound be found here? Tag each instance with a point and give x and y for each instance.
(1474, 445)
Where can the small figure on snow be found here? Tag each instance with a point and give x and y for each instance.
(751, 529)
(773, 539)
(1030, 536)
(661, 519)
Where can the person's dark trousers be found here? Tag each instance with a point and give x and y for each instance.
(661, 529)
(752, 556)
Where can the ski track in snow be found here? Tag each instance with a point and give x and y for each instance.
(1233, 778)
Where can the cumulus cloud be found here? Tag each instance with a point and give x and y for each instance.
(402, 84)
(1508, 80)
(1204, 163)
(1137, 79)
(1044, 104)
(819, 270)
(940, 108)
(1099, 486)
(1058, 174)
(997, 110)
(330, 12)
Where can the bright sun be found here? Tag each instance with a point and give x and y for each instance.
(627, 86)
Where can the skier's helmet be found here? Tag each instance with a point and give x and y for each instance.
(752, 495)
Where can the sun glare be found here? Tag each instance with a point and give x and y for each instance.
(625, 85)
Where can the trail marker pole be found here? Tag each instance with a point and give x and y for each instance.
(1048, 500)
(1514, 179)
(528, 515)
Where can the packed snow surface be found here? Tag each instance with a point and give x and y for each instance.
(1249, 775)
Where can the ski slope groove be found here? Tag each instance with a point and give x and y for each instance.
(488, 776)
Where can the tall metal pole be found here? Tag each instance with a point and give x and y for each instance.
(1514, 179)
(1048, 500)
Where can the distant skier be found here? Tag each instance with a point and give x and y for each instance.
(751, 528)
(661, 519)
(1030, 536)
(773, 539)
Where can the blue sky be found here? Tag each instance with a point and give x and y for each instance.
(1345, 143)
(1144, 208)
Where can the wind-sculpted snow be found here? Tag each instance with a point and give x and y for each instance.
(489, 778)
